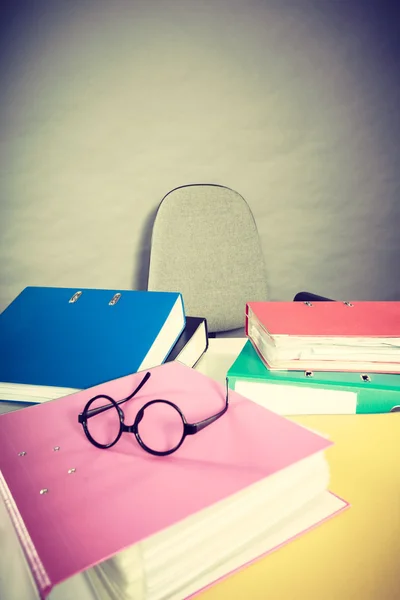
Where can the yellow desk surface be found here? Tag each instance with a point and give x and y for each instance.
(354, 555)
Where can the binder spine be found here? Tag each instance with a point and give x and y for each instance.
(246, 320)
(38, 571)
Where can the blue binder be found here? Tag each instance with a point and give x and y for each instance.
(53, 340)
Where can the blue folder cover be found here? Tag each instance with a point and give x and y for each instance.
(48, 340)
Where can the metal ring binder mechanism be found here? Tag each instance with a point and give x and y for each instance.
(78, 294)
(75, 297)
(114, 299)
(308, 303)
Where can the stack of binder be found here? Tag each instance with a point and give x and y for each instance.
(117, 520)
(55, 341)
(321, 357)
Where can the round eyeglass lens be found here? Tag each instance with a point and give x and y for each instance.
(103, 425)
(161, 428)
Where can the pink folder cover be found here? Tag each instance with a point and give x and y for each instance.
(329, 319)
(120, 496)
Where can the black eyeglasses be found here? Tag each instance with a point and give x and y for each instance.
(160, 426)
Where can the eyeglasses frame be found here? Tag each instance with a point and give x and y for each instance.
(188, 428)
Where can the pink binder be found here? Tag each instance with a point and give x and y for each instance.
(43, 447)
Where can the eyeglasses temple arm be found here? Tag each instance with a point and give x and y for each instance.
(203, 424)
(97, 411)
(139, 387)
(94, 411)
(196, 427)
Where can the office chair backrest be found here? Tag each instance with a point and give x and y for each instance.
(205, 245)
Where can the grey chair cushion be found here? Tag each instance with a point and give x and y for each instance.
(205, 245)
(232, 333)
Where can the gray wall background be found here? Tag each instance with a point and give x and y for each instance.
(107, 105)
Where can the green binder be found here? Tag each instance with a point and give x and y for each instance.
(307, 392)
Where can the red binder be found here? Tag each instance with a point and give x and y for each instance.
(326, 336)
